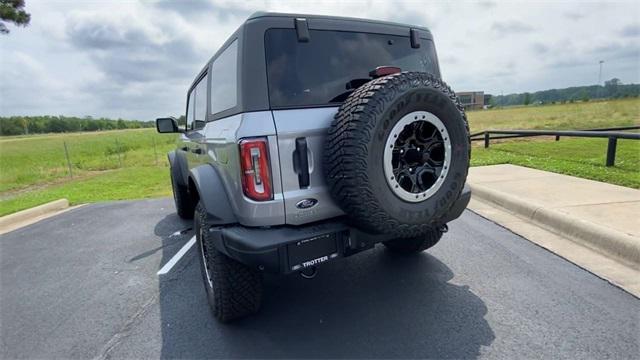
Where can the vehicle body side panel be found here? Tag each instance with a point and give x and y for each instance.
(220, 150)
(311, 124)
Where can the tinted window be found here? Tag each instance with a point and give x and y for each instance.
(200, 108)
(224, 79)
(465, 99)
(190, 107)
(316, 72)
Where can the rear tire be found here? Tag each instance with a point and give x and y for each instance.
(415, 244)
(233, 289)
(184, 204)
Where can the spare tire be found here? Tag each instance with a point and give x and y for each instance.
(397, 154)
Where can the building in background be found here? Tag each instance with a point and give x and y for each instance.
(473, 100)
(487, 101)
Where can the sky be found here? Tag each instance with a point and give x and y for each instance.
(136, 59)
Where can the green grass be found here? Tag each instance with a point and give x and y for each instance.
(121, 184)
(577, 157)
(40, 159)
(589, 115)
(33, 169)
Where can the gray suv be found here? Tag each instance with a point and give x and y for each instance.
(311, 138)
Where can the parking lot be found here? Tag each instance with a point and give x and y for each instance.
(84, 284)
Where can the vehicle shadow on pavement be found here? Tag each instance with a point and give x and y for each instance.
(371, 305)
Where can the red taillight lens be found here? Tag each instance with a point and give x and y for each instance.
(254, 163)
(381, 71)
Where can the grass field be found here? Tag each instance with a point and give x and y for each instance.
(575, 116)
(33, 160)
(110, 165)
(117, 165)
(122, 184)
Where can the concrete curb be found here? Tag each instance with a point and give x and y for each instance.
(15, 220)
(604, 240)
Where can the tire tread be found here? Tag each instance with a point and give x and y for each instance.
(237, 289)
(345, 152)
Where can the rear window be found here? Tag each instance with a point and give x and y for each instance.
(317, 72)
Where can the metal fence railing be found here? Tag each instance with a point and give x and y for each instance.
(613, 134)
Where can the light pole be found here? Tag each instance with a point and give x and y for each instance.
(600, 72)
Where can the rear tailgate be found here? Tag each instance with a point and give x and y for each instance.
(295, 130)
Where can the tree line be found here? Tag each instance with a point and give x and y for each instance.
(613, 89)
(24, 125)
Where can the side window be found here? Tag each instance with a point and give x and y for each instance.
(224, 79)
(200, 108)
(190, 106)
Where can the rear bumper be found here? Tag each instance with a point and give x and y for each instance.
(287, 249)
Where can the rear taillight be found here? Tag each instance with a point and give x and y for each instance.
(381, 71)
(256, 174)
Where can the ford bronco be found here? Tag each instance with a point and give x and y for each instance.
(311, 138)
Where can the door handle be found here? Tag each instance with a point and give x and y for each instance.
(197, 151)
(301, 162)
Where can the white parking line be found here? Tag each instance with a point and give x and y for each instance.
(167, 267)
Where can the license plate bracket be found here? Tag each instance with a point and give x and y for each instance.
(313, 251)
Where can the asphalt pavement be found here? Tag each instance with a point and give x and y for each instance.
(84, 284)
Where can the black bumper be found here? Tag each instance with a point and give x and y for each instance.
(286, 249)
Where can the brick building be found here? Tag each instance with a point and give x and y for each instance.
(472, 100)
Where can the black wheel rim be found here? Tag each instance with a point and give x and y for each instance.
(417, 156)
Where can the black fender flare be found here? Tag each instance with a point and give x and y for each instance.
(178, 165)
(212, 195)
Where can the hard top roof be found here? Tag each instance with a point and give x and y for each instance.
(260, 14)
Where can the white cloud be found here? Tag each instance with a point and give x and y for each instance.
(136, 59)
(631, 30)
(505, 28)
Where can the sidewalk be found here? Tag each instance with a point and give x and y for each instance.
(590, 223)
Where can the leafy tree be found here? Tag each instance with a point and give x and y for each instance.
(93, 126)
(11, 128)
(13, 11)
(25, 125)
(584, 96)
(527, 98)
(612, 83)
